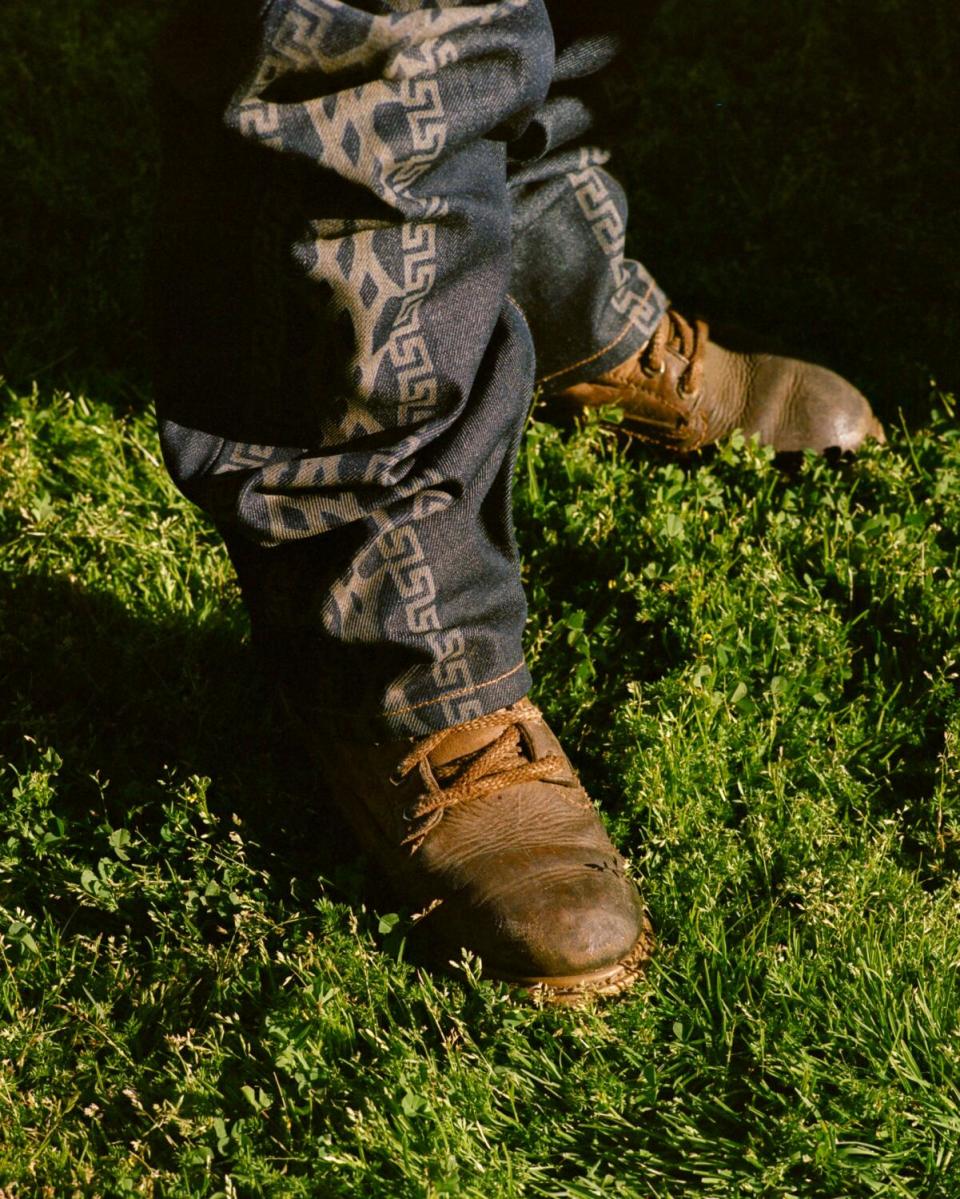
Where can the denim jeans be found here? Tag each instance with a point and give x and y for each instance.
(380, 222)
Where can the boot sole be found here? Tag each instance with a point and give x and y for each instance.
(567, 412)
(579, 990)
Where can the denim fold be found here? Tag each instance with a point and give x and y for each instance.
(379, 223)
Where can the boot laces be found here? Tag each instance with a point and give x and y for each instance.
(500, 764)
(688, 340)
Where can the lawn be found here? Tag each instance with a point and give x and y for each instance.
(755, 665)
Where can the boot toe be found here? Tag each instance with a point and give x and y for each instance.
(579, 930)
(823, 411)
(569, 925)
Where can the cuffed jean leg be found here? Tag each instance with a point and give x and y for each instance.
(342, 379)
(593, 306)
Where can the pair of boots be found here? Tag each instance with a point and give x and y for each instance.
(484, 827)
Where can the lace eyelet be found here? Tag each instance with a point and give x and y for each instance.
(653, 374)
(690, 396)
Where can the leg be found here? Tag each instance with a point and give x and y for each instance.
(593, 307)
(342, 380)
(342, 383)
(601, 327)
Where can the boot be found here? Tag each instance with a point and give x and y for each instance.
(682, 392)
(486, 829)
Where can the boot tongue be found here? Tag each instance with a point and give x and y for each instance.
(468, 741)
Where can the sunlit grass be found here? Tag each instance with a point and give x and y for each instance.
(756, 672)
(755, 669)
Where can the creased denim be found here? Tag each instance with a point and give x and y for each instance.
(377, 226)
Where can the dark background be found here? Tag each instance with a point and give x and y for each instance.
(792, 166)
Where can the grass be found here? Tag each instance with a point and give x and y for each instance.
(200, 995)
(758, 672)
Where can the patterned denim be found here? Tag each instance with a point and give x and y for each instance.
(377, 225)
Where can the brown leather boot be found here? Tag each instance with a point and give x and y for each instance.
(486, 828)
(683, 391)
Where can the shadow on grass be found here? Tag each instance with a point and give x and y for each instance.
(132, 702)
(791, 166)
(80, 161)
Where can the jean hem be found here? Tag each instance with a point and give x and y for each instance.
(627, 342)
(430, 716)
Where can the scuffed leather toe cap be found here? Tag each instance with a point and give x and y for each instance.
(817, 409)
(564, 920)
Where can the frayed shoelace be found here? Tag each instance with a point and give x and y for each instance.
(688, 340)
(492, 768)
